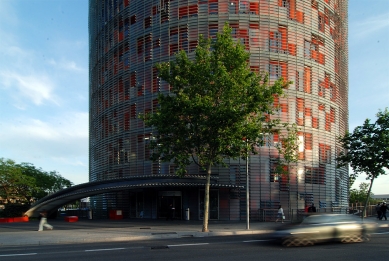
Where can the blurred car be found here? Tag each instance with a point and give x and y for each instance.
(327, 227)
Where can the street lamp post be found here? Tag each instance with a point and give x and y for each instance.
(247, 189)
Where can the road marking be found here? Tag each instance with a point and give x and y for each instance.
(105, 249)
(198, 244)
(381, 233)
(27, 254)
(249, 241)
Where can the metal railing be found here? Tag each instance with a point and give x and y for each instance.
(297, 215)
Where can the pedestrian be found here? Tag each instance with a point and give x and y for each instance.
(378, 210)
(312, 208)
(280, 214)
(43, 221)
(383, 209)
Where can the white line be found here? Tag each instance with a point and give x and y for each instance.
(198, 244)
(105, 249)
(28, 254)
(249, 241)
(381, 233)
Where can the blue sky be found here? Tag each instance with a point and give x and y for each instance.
(44, 80)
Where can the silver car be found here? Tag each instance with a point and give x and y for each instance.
(328, 227)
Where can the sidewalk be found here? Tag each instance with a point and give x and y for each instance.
(88, 231)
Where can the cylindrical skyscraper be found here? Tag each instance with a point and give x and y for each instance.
(304, 41)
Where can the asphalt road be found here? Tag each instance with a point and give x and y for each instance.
(226, 248)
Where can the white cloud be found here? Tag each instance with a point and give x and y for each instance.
(22, 76)
(370, 25)
(43, 75)
(67, 65)
(34, 87)
(16, 53)
(59, 143)
(29, 77)
(61, 135)
(72, 162)
(72, 66)
(379, 184)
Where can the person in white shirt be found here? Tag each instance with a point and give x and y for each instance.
(280, 214)
(43, 221)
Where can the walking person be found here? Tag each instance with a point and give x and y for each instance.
(383, 209)
(312, 208)
(378, 210)
(43, 221)
(280, 214)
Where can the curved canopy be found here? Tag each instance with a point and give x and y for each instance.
(62, 197)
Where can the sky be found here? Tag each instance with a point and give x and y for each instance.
(44, 104)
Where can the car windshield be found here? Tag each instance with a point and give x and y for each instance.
(319, 219)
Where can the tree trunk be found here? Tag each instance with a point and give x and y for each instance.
(206, 199)
(289, 206)
(367, 198)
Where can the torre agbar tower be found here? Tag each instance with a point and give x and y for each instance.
(303, 41)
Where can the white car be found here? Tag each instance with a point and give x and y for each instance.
(328, 227)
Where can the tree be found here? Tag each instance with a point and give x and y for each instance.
(57, 182)
(13, 184)
(288, 152)
(24, 181)
(359, 195)
(216, 109)
(288, 147)
(367, 150)
(46, 182)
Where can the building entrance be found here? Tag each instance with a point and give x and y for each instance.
(165, 198)
(136, 204)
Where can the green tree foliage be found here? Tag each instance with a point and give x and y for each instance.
(351, 181)
(13, 184)
(288, 150)
(46, 182)
(359, 195)
(23, 182)
(367, 149)
(287, 147)
(215, 103)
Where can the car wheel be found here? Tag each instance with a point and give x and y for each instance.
(307, 241)
(366, 237)
(290, 242)
(298, 241)
(352, 238)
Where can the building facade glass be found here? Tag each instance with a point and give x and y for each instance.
(304, 41)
